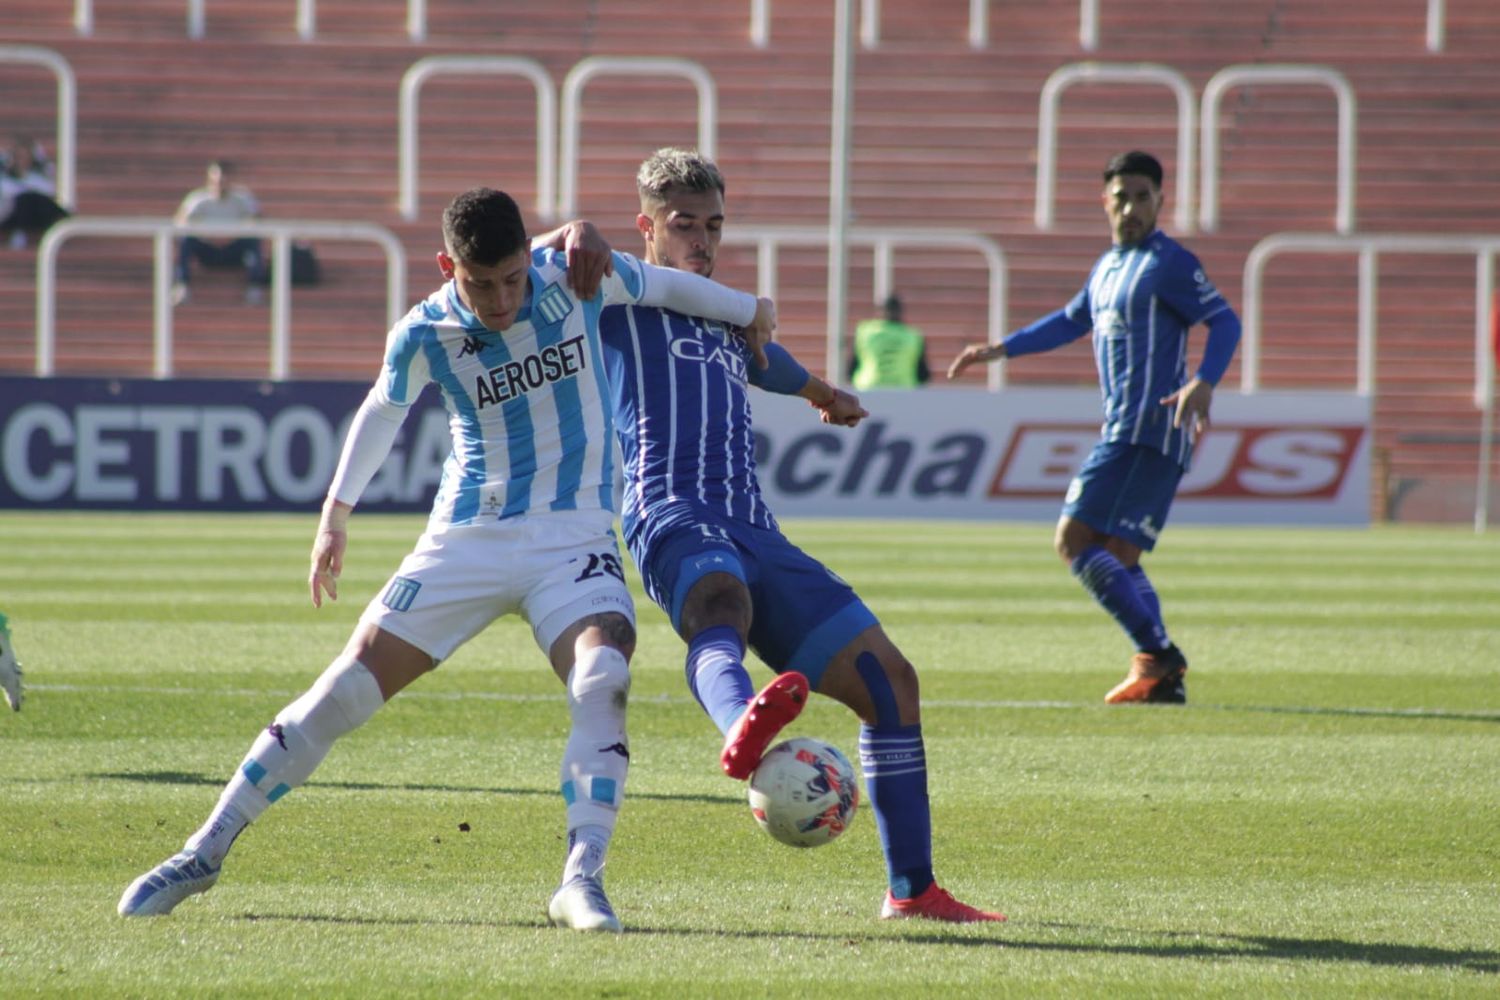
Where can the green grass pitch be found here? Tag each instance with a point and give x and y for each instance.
(1322, 819)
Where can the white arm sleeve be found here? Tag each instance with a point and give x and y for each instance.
(372, 432)
(692, 295)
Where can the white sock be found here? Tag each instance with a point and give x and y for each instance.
(587, 846)
(597, 756)
(286, 753)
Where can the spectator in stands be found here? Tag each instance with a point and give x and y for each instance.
(888, 353)
(28, 193)
(220, 201)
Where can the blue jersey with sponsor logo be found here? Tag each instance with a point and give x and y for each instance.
(1140, 301)
(527, 412)
(681, 406)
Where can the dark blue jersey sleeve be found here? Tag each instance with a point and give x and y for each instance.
(1052, 330)
(784, 374)
(1186, 290)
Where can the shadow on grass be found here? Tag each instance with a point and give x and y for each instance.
(1173, 944)
(1435, 714)
(184, 778)
(1257, 946)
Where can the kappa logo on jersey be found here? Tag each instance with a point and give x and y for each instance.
(708, 352)
(553, 305)
(552, 363)
(472, 345)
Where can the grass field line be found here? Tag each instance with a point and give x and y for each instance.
(667, 699)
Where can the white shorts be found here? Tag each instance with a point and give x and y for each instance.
(551, 567)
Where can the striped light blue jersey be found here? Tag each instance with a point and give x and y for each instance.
(682, 412)
(1140, 301)
(526, 407)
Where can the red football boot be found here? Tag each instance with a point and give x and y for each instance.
(771, 711)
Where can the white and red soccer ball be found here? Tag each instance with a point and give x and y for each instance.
(804, 792)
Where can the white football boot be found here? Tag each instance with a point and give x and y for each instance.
(581, 904)
(169, 883)
(10, 669)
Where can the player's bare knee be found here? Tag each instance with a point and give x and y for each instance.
(891, 682)
(716, 599)
(607, 628)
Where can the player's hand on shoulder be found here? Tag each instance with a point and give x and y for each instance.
(975, 354)
(590, 260)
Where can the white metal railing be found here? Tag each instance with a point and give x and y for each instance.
(1232, 76)
(1436, 25)
(67, 111)
(1092, 72)
(1088, 25)
(767, 241)
(869, 23)
(1369, 246)
(588, 68)
(546, 121)
(164, 232)
(760, 23)
(307, 18)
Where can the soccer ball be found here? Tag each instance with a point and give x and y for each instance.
(804, 793)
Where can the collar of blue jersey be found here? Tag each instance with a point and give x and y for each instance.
(1138, 243)
(471, 322)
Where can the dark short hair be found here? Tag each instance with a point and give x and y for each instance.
(892, 307)
(483, 226)
(1133, 162)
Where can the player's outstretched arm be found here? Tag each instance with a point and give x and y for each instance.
(328, 551)
(588, 254)
(975, 354)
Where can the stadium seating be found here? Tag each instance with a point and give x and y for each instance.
(944, 136)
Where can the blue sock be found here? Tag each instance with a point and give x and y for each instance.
(716, 674)
(1148, 597)
(1103, 576)
(895, 767)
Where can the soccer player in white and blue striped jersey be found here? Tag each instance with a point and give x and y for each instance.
(1142, 297)
(712, 555)
(522, 523)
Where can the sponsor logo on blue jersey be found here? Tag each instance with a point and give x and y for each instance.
(707, 352)
(472, 345)
(552, 363)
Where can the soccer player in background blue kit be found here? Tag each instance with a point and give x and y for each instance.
(712, 555)
(523, 523)
(1141, 299)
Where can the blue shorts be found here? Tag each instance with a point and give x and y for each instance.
(804, 614)
(1124, 490)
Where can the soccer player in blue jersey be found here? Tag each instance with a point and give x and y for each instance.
(1142, 297)
(712, 555)
(522, 523)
